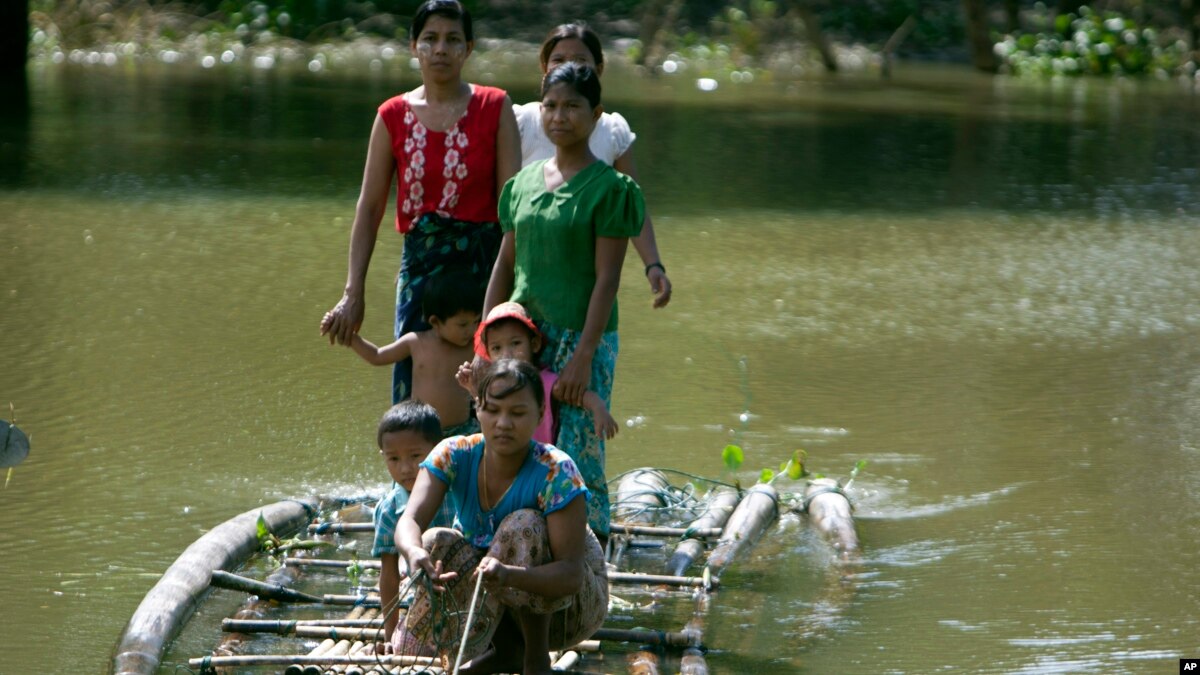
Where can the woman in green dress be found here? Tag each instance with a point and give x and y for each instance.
(567, 222)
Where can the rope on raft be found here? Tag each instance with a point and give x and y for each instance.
(830, 489)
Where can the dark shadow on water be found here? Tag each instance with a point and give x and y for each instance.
(14, 129)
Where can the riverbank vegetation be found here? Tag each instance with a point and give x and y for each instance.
(1119, 37)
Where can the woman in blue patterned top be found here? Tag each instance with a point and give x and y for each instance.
(522, 512)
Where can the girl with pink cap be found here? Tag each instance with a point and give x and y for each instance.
(509, 333)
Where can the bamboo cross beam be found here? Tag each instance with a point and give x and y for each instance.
(287, 627)
(222, 579)
(340, 528)
(364, 633)
(615, 577)
(648, 637)
(619, 528)
(661, 580)
(641, 636)
(309, 660)
(336, 564)
(656, 531)
(356, 600)
(388, 660)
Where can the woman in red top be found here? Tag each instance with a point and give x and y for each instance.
(452, 145)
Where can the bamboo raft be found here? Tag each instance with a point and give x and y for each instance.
(724, 524)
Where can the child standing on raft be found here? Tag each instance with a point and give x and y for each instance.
(451, 308)
(407, 433)
(567, 223)
(509, 333)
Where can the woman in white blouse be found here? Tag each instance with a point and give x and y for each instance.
(611, 141)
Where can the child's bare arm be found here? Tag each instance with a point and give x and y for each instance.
(464, 376)
(606, 426)
(380, 356)
(603, 422)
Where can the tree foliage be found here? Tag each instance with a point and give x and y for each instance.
(750, 30)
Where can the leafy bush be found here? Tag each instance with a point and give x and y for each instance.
(1090, 43)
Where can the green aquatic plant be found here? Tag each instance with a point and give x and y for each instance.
(276, 548)
(793, 467)
(354, 570)
(858, 466)
(732, 456)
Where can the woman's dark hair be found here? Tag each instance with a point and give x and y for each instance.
(572, 31)
(411, 415)
(522, 373)
(582, 79)
(450, 9)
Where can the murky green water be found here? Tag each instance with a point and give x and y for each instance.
(989, 291)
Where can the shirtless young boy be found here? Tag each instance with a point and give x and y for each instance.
(451, 308)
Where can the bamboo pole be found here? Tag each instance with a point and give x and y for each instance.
(753, 514)
(172, 600)
(305, 659)
(361, 646)
(341, 528)
(277, 592)
(693, 663)
(288, 627)
(355, 614)
(721, 503)
(340, 649)
(319, 650)
(657, 531)
(639, 490)
(646, 637)
(642, 663)
(829, 511)
(566, 661)
(336, 564)
(662, 579)
(364, 600)
(254, 607)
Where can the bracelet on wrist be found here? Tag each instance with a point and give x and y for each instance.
(652, 265)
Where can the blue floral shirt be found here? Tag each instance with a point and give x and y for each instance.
(547, 481)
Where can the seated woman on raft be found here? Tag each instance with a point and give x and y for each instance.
(521, 514)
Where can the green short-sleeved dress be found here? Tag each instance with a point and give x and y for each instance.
(554, 274)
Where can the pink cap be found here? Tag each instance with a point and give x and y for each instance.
(504, 310)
